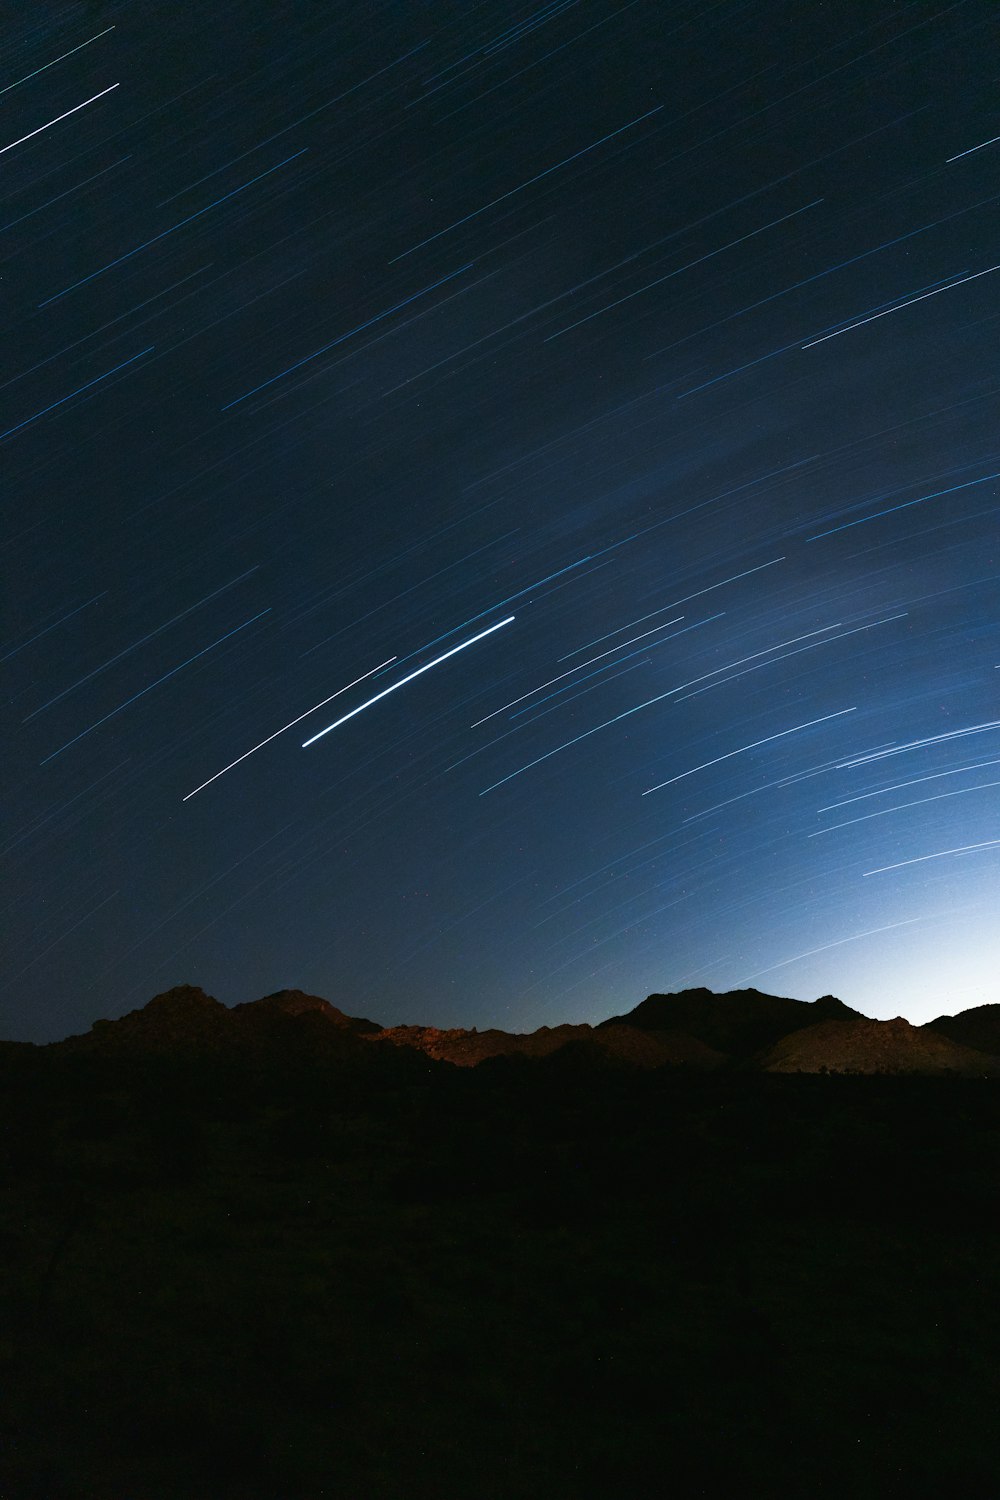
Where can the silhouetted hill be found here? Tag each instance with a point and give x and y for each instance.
(738, 1023)
(297, 1003)
(182, 1019)
(864, 1046)
(978, 1027)
(184, 1022)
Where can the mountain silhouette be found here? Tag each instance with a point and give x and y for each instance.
(297, 1003)
(181, 1019)
(738, 1023)
(185, 1022)
(978, 1027)
(695, 1029)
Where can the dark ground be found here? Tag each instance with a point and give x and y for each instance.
(522, 1280)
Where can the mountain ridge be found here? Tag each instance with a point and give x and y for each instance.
(694, 1029)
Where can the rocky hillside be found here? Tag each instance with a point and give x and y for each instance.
(736, 1024)
(865, 1046)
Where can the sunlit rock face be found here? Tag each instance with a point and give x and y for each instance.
(466, 1048)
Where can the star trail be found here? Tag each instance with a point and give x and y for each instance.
(622, 380)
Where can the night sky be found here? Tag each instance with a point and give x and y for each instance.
(588, 415)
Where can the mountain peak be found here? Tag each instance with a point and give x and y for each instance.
(299, 1003)
(738, 1023)
(183, 996)
(183, 1017)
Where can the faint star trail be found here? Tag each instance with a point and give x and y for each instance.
(769, 739)
(291, 723)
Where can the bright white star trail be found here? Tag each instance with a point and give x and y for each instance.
(64, 116)
(404, 680)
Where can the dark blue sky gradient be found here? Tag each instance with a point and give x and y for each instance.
(336, 336)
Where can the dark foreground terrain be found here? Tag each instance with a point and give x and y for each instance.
(289, 1279)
